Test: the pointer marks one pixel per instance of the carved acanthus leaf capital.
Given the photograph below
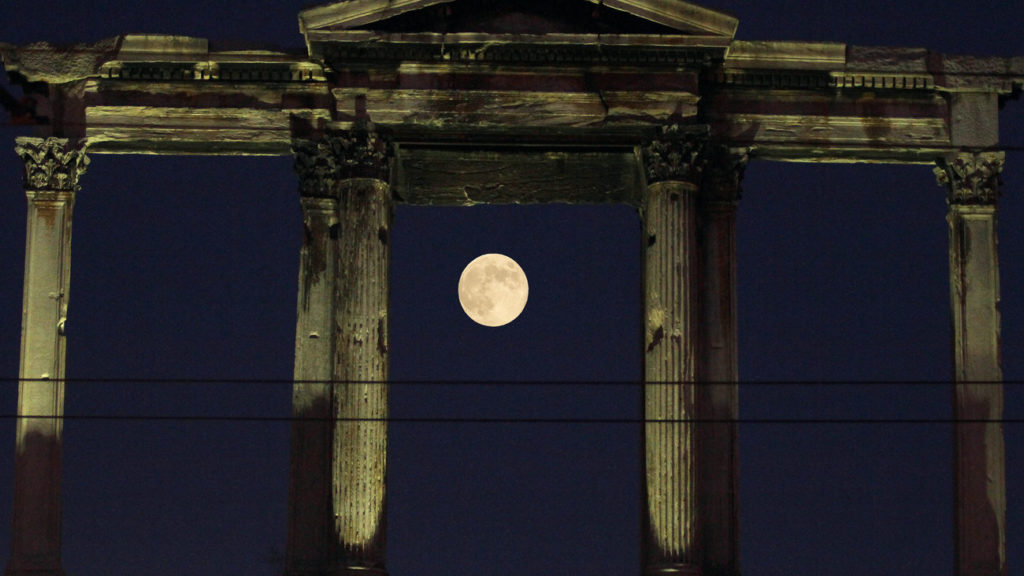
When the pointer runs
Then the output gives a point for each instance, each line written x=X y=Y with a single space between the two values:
x=338 y=156
x=723 y=173
x=316 y=166
x=972 y=178
x=51 y=164
x=675 y=155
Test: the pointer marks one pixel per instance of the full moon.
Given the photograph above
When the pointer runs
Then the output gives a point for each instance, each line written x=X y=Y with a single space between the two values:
x=493 y=290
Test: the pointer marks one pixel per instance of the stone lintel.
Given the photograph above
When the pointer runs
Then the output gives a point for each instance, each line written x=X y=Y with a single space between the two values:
x=846 y=154
x=834 y=136
x=130 y=122
x=462 y=108
x=823 y=123
x=458 y=176
x=209 y=131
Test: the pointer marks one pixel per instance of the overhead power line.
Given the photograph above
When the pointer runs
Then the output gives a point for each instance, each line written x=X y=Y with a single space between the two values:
x=511 y=383
x=499 y=420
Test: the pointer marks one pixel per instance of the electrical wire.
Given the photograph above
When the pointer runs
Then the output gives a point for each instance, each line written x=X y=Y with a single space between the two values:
x=500 y=420
x=512 y=383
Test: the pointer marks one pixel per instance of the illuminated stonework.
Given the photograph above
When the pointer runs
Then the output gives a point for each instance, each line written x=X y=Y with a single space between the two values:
x=972 y=178
x=52 y=169
x=675 y=155
x=389 y=104
x=51 y=164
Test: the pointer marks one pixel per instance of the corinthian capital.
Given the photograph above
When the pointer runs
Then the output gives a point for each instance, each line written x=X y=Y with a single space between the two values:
x=51 y=164
x=316 y=166
x=723 y=173
x=675 y=155
x=339 y=156
x=972 y=178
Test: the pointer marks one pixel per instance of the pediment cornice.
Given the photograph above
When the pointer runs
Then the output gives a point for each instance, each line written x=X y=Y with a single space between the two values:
x=678 y=15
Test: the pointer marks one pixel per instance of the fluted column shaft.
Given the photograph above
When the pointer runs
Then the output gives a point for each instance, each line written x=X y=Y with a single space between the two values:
x=52 y=169
x=309 y=494
x=718 y=372
x=972 y=180
x=670 y=513
x=361 y=371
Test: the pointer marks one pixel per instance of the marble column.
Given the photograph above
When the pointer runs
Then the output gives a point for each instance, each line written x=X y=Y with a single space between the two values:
x=310 y=521
x=361 y=368
x=718 y=369
x=670 y=528
x=339 y=438
x=53 y=167
x=972 y=180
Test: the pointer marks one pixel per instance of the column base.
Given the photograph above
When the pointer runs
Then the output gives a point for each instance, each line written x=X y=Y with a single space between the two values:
x=672 y=570
x=348 y=571
x=358 y=571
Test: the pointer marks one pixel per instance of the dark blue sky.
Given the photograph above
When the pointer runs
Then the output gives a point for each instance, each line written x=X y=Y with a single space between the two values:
x=186 y=267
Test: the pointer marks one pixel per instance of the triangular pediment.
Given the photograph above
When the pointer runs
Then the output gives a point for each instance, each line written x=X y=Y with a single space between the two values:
x=521 y=17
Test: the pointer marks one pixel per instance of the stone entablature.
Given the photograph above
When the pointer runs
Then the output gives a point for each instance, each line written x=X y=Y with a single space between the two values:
x=146 y=57
x=787 y=100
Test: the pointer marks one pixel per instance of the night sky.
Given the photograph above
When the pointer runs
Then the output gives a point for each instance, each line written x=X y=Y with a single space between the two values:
x=186 y=268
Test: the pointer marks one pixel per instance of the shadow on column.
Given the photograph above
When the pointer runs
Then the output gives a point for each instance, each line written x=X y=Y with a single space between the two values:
x=36 y=514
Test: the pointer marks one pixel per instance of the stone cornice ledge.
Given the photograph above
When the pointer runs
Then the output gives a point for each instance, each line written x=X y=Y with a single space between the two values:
x=677 y=14
x=773 y=63
x=45 y=62
x=357 y=12
x=770 y=55
x=950 y=72
x=164 y=57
